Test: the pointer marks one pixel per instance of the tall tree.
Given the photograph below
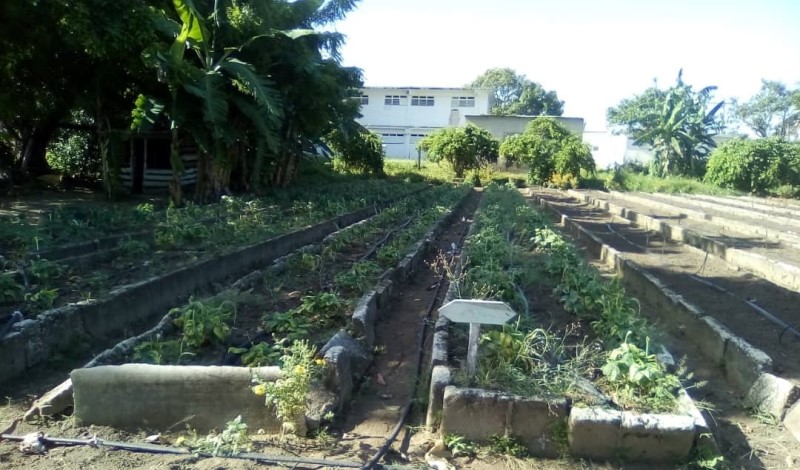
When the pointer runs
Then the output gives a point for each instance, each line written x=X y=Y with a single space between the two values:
x=773 y=111
x=513 y=93
x=678 y=123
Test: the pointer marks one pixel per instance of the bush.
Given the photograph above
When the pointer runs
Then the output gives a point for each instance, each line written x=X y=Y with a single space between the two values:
x=553 y=154
x=757 y=166
x=464 y=148
x=359 y=150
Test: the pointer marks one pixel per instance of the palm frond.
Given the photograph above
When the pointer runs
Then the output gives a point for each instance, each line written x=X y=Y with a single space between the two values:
x=259 y=87
x=208 y=87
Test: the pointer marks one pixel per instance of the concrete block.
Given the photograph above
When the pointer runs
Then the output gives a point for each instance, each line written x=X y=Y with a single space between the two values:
x=744 y=364
x=594 y=432
x=772 y=395
x=384 y=292
x=440 y=379
x=358 y=357
x=12 y=350
x=656 y=437
x=135 y=396
x=540 y=424
x=715 y=337
x=792 y=420
x=364 y=317
x=475 y=414
x=440 y=338
x=339 y=376
x=53 y=402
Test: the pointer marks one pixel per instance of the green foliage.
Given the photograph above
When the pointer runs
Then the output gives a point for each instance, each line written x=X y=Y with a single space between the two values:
x=755 y=166
x=507 y=445
x=259 y=355
x=677 y=123
x=43 y=271
x=10 y=289
x=287 y=395
x=460 y=446
x=360 y=150
x=463 y=148
x=515 y=94
x=231 y=441
x=774 y=111
x=43 y=298
x=552 y=153
x=75 y=153
x=204 y=321
x=159 y=351
x=133 y=248
x=639 y=379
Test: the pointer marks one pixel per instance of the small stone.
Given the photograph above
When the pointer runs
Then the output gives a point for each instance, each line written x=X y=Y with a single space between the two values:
x=379 y=379
x=385 y=396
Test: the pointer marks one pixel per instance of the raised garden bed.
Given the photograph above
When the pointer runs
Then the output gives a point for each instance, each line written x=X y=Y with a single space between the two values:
x=403 y=238
x=576 y=373
x=35 y=340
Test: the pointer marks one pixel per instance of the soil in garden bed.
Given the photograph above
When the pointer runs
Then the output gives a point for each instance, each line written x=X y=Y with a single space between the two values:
x=675 y=263
x=746 y=440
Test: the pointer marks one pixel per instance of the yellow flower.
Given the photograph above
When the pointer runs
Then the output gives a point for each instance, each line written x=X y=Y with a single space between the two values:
x=259 y=389
x=319 y=362
x=299 y=370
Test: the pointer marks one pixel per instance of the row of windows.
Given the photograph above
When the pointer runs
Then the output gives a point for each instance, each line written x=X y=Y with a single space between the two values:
x=400 y=100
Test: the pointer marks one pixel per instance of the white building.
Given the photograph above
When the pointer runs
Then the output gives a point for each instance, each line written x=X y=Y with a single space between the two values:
x=404 y=115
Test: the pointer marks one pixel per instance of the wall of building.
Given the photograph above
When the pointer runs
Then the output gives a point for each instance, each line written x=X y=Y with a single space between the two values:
x=502 y=126
x=403 y=116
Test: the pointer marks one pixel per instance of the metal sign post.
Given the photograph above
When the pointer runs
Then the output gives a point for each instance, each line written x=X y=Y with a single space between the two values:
x=476 y=313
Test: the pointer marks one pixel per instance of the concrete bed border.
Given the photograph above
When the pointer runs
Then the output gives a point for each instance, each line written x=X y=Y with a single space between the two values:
x=749 y=369
x=553 y=427
x=347 y=355
x=33 y=341
x=779 y=273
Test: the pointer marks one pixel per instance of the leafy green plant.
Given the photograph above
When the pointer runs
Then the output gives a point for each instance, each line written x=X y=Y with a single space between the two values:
x=43 y=298
x=159 y=351
x=261 y=354
x=463 y=148
x=232 y=440
x=132 y=248
x=359 y=277
x=639 y=379
x=204 y=321
x=290 y=324
x=44 y=271
x=507 y=445
x=287 y=395
x=756 y=166
x=10 y=289
x=460 y=446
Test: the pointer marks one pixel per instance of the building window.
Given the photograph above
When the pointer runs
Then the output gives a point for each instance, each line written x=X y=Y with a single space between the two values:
x=395 y=100
x=363 y=100
x=422 y=101
x=463 y=102
x=418 y=135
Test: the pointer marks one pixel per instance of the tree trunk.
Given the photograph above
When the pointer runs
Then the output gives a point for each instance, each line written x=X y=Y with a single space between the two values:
x=34 y=149
x=175 y=190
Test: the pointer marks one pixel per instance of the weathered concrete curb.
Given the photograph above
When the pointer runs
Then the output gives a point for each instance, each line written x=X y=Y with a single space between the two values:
x=133 y=396
x=743 y=364
x=35 y=340
x=778 y=272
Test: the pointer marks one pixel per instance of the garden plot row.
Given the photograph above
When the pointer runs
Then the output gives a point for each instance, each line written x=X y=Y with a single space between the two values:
x=770 y=256
x=32 y=341
x=716 y=306
x=322 y=298
x=180 y=236
x=576 y=372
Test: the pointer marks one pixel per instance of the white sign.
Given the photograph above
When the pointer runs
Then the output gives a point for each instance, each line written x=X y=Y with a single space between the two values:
x=487 y=312
x=476 y=312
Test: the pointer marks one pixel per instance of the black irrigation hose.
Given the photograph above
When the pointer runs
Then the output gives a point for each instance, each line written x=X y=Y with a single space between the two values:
x=772 y=318
x=417 y=365
x=159 y=449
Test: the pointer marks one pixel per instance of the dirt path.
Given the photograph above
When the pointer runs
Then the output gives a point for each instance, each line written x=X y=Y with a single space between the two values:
x=746 y=441
x=377 y=407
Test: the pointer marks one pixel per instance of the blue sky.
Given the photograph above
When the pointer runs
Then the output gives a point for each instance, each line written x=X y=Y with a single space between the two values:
x=593 y=53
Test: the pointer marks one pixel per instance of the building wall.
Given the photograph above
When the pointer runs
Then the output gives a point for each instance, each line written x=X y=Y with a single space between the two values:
x=502 y=126
x=416 y=112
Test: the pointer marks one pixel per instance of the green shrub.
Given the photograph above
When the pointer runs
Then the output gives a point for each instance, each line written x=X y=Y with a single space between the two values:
x=464 y=148
x=553 y=154
x=360 y=151
x=756 y=166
